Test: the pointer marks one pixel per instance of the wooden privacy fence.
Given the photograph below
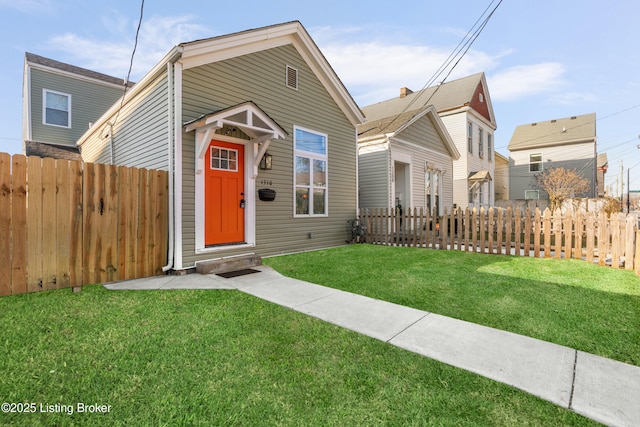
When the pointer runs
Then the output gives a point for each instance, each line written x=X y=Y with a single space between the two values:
x=607 y=240
x=66 y=223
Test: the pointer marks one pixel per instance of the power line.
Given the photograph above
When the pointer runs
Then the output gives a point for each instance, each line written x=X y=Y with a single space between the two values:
x=576 y=127
x=465 y=44
x=135 y=47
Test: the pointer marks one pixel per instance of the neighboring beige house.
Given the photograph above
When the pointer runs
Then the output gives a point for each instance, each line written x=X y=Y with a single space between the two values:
x=568 y=143
x=406 y=161
x=501 y=178
x=464 y=106
x=603 y=165
x=60 y=101
x=258 y=134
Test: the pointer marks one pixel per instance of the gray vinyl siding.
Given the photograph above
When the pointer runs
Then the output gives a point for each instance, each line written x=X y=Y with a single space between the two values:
x=260 y=77
x=373 y=173
x=89 y=100
x=578 y=157
x=436 y=161
x=423 y=132
x=140 y=133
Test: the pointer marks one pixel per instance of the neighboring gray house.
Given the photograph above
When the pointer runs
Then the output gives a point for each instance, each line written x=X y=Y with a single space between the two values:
x=60 y=101
x=406 y=161
x=258 y=135
x=568 y=143
x=464 y=106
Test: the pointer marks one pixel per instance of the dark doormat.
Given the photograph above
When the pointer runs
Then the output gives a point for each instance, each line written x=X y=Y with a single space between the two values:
x=237 y=273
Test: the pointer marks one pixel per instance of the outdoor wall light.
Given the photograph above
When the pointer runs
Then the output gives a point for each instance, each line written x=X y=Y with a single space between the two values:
x=265 y=163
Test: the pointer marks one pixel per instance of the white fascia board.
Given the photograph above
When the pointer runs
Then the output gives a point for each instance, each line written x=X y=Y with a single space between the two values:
x=159 y=68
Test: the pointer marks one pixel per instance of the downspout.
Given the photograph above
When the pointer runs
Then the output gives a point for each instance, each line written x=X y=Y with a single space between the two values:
x=171 y=124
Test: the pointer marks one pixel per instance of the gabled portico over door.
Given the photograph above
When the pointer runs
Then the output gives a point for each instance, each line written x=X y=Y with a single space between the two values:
x=229 y=146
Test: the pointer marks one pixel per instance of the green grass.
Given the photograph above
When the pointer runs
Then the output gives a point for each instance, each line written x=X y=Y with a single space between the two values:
x=568 y=302
x=207 y=358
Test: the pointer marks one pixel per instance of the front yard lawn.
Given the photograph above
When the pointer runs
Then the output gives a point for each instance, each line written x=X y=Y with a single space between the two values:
x=214 y=358
x=567 y=302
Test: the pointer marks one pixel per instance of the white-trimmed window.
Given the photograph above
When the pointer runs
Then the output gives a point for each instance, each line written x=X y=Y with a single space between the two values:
x=470 y=137
x=535 y=162
x=427 y=185
x=224 y=159
x=480 y=143
x=481 y=193
x=433 y=184
x=490 y=146
x=532 y=195
x=310 y=173
x=56 y=108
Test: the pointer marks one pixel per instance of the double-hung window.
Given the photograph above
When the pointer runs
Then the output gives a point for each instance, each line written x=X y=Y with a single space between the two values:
x=56 y=109
x=535 y=162
x=480 y=143
x=490 y=146
x=470 y=137
x=310 y=173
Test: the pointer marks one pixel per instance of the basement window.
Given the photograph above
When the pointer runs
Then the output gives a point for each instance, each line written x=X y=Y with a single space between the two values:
x=292 y=77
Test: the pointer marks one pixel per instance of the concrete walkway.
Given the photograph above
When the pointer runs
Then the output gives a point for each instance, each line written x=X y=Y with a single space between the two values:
x=598 y=388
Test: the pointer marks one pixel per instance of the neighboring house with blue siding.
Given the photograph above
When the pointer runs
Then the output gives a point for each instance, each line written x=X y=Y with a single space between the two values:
x=568 y=143
x=60 y=101
x=406 y=161
x=258 y=134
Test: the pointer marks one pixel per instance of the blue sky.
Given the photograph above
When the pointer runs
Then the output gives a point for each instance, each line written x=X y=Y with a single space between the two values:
x=544 y=59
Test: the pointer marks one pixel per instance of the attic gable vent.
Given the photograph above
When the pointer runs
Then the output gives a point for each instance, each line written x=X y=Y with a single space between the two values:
x=292 y=77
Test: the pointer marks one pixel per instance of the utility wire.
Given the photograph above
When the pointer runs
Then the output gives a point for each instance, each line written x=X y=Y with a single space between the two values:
x=135 y=47
x=463 y=46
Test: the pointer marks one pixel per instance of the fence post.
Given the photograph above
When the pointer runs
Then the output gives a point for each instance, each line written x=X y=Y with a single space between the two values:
x=508 y=232
x=19 y=224
x=499 y=229
x=636 y=260
x=603 y=238
x=5 y=224
x=615 y=240
x=490 y=228
x=518 y=232
x=629 y=255
x=577 y=235
x=546 y=225
x=527 y=233
x=536 y=233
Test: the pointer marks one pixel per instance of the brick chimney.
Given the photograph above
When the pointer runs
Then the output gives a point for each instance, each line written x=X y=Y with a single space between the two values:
x=404 y=91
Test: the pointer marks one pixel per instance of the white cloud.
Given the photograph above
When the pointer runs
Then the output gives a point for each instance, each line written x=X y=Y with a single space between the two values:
x=526 y=80
x=374 y=71
x=157 y=36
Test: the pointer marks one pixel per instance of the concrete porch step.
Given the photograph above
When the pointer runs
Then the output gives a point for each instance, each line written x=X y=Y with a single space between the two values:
x=227 y=264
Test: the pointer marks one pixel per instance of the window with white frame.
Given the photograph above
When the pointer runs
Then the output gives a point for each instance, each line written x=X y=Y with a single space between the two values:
x=481 y=193
x=56 y=108
x=437 y=190
x=480 y=143
x=427 y=184
x=310 y=166
x=535 y=162
x=470 y=137
x=433 y=185
x=490 y=146
x=532 y=194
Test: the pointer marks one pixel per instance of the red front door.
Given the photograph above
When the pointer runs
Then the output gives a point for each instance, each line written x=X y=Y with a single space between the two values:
x=224 y=194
